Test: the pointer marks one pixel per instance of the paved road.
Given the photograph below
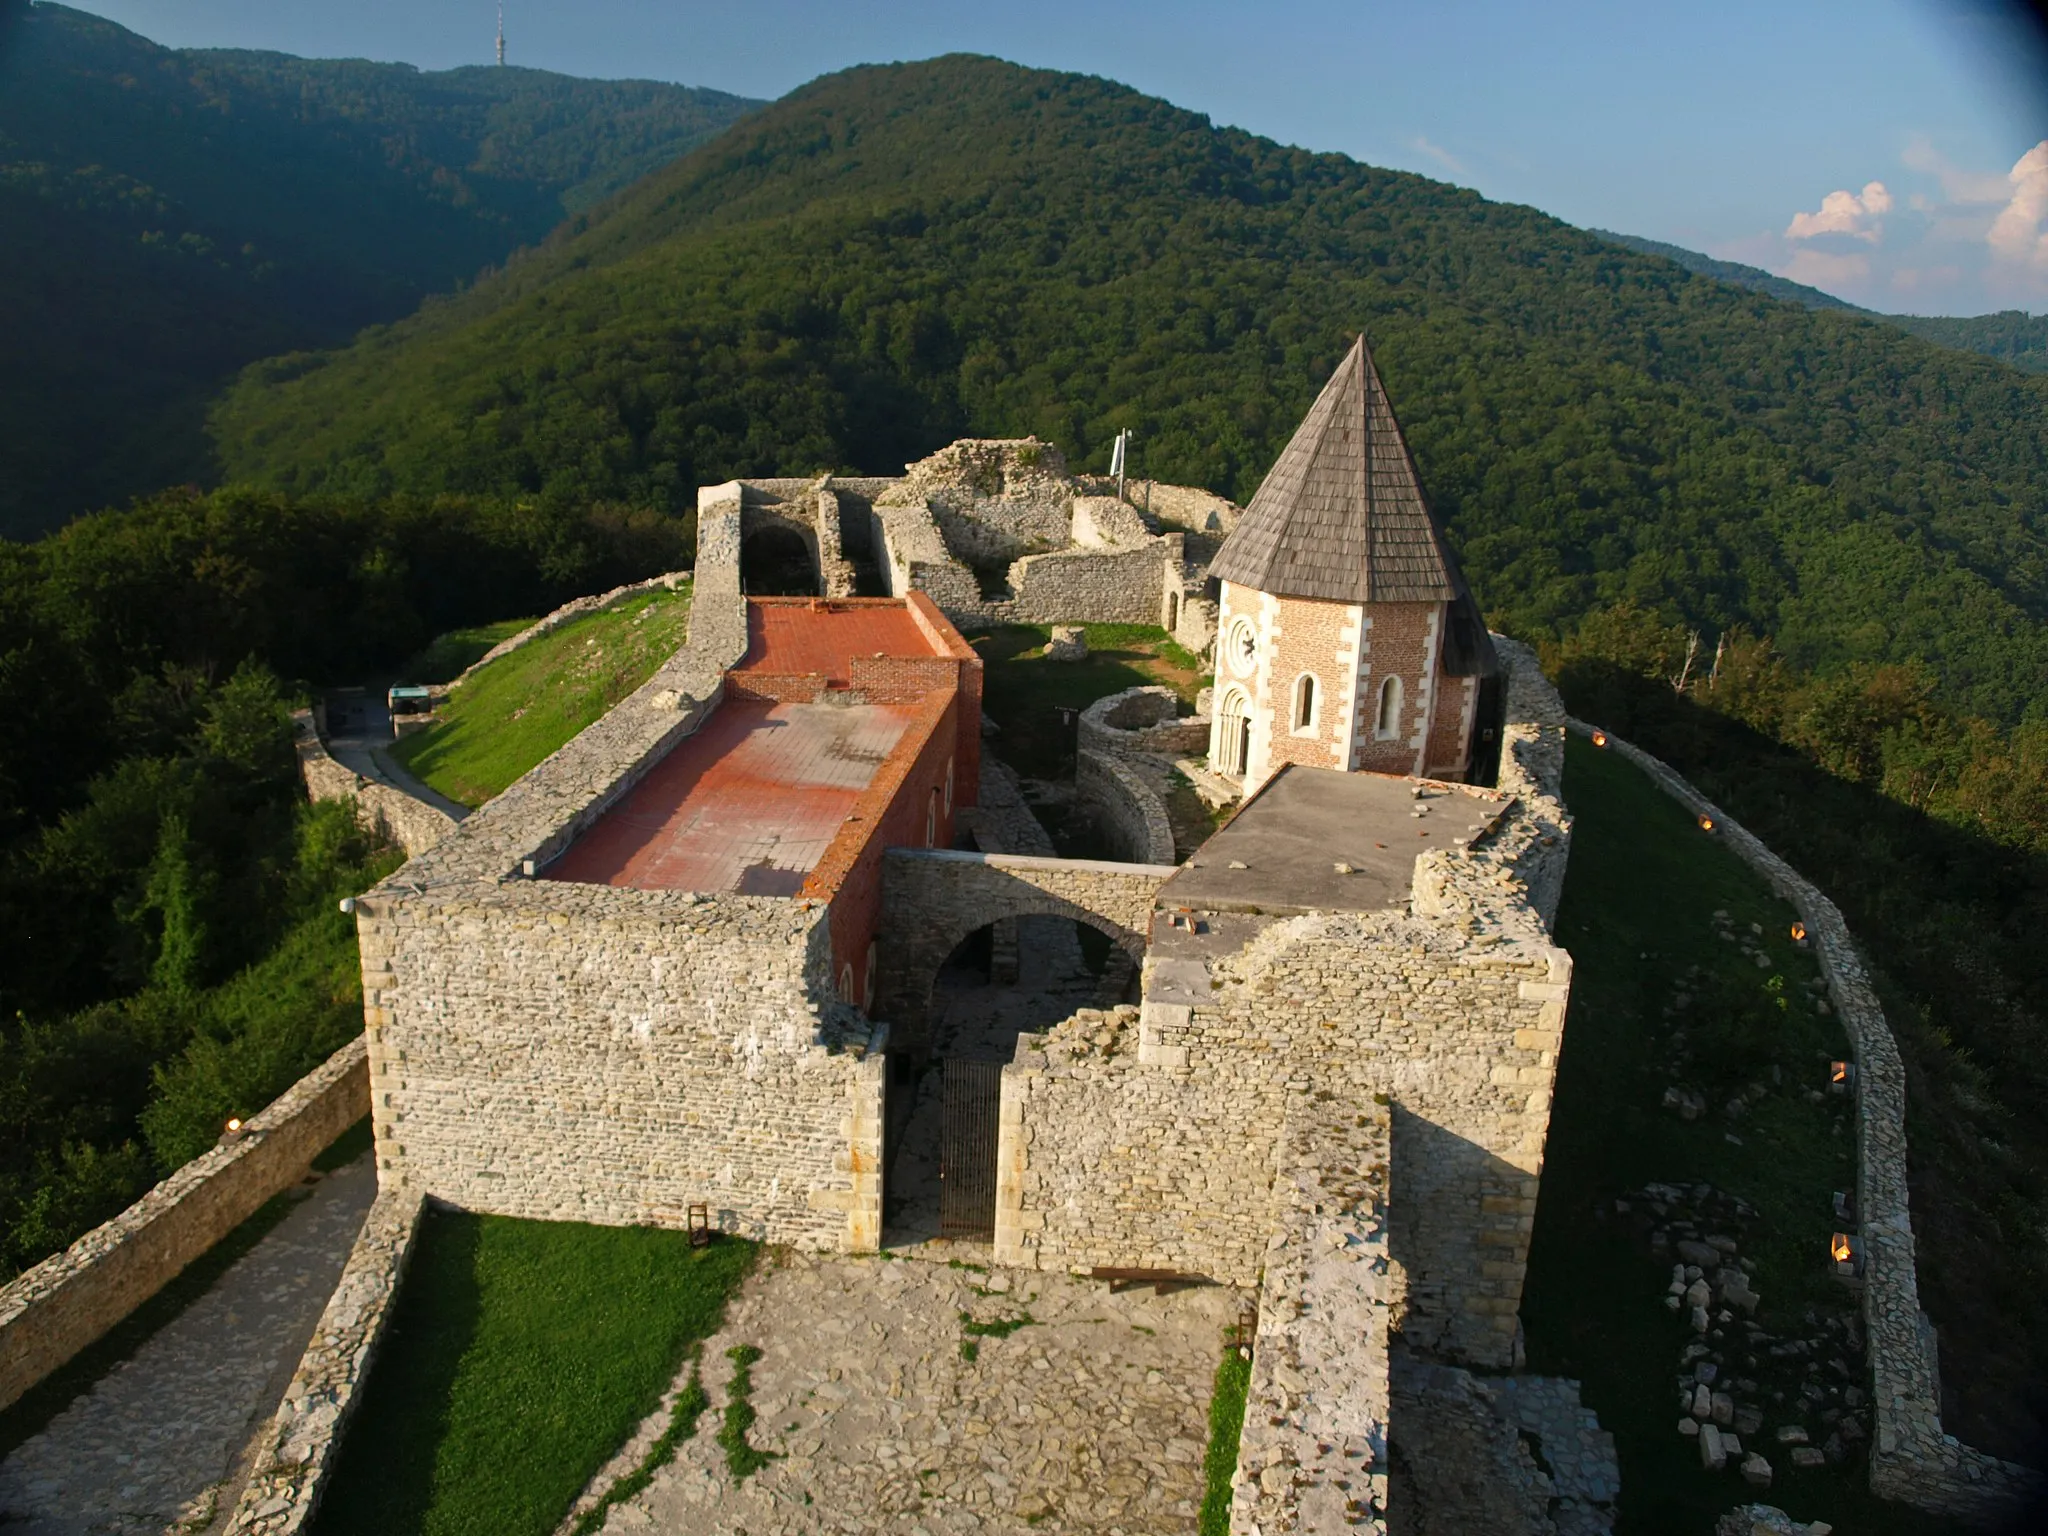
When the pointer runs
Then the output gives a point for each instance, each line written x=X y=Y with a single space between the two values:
x=156 y=1445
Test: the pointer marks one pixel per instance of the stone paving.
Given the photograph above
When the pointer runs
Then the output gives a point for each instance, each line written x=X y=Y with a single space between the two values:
x=1092 y=1418
x=157 y=1444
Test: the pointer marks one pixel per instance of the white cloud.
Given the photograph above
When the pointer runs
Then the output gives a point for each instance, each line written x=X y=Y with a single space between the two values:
x=1825 y=270
x=1438 y=153
x=1845 y=213
x=1957 y=184
x=2016 y=234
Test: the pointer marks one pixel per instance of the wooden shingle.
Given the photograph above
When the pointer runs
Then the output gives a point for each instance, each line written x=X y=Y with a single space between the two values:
x=1341 y=515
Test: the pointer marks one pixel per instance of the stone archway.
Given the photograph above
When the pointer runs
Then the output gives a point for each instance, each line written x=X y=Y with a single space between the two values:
x=778 y=560
x=932 y=901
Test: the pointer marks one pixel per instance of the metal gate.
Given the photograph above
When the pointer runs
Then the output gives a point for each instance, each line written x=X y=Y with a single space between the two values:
x=967 y=1148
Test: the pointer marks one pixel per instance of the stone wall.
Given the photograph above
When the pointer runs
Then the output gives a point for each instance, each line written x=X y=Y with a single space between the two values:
x=1093 y=586
x=66 y=1302
x=295 y=1451
x=1145 y=719
x=391 y=813
x=1160 y=1150
x=1911 y=1459
x=1130 y=810
x=1312 y=1455
x=931 y=901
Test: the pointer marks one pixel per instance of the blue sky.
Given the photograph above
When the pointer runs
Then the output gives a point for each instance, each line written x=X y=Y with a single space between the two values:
x=1885 y=150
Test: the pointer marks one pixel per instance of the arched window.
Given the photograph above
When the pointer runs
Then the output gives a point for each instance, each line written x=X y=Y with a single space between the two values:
x=1233 y=734
x=846 y=982
x=1172 y=612
x=931 y=821
x=1387 y=724
x=867 y=999
x=1305 y=703
x=949 y=785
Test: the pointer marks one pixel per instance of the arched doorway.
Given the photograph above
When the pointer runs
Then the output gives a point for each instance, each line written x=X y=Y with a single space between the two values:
x=1010 y=977
x=777 y=562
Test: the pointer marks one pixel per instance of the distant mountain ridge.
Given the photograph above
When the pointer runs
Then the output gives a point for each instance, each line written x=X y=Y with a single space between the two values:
x=895 y=256
x=2011 y=335
x=167 y=215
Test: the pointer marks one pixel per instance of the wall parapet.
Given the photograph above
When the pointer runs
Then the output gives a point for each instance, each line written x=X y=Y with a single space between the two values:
x=72 y=1298
x=1312 y=1454
x=1911 y=1459
x=297 y=1449
x=412 y=824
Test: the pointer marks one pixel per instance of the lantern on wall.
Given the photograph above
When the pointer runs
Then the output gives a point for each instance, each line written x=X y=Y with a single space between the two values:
x=1706 y=822
x=1599 y=738
x=1799 y=933
x=1841 y=1076
x=234 y=1127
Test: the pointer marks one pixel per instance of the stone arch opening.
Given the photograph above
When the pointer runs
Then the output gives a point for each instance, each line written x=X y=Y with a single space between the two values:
x=1233 y=732
x=778 y=562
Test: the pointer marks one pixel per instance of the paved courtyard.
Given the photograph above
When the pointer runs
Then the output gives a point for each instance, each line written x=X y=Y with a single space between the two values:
x=156 y=1445
x=1091 y=1418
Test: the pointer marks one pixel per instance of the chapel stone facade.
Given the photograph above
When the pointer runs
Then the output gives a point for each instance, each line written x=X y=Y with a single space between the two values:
x=1346 y=635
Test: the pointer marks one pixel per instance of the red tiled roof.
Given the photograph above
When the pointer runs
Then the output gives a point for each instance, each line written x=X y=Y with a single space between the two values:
x=800 y=636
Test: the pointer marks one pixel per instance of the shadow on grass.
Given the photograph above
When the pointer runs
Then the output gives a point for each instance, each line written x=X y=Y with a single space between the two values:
x=1950 y=923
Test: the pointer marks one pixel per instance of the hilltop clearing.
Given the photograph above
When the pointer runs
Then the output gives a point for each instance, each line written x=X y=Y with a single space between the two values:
x=167 y=215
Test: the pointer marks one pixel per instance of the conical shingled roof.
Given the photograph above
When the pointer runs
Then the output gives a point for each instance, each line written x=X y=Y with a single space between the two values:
x=1340 y=516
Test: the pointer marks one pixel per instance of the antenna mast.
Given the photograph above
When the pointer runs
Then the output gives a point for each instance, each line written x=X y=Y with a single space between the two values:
x=501 y=34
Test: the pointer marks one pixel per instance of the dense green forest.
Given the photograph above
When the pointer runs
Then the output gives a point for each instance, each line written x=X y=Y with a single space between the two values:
x=2011 y=335
x=894 y=256
x=169 y=215
x=173 y=955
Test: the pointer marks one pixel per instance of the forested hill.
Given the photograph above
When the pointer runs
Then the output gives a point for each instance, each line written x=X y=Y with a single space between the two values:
x=167 y=216
x=893 y=256
x=2011 y=335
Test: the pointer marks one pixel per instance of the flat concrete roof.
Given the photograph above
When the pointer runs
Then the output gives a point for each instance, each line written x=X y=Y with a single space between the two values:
x=1289 y=838
x=822 y=637
x=747 y=805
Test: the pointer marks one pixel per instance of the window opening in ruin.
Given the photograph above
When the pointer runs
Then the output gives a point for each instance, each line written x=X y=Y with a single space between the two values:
x=867 y=997
x=1387 y=724
x=777 y=562
x=846 y=982
x=1172 y=612
x=949 y=786
x=1305 y=702
x=1234 y=734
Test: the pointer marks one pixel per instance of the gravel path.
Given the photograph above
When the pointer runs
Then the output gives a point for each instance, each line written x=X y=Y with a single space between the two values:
x=157 y=1443
x=1093 y=1418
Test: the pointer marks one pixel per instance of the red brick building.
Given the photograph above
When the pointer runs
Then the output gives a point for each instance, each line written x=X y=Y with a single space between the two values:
x=852 y=726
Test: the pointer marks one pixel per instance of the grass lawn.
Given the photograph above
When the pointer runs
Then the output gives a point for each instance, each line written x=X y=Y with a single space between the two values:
x=1023 y=692
x=448 y=656
x=520 y=708
x=522 y=1355
x=1638 y=918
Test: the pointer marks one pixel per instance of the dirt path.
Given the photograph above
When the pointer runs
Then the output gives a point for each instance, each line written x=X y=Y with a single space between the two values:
x=156 y=1444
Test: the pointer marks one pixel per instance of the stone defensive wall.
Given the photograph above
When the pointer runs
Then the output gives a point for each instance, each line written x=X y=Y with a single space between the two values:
x=595 y=1053
x=1162 y=1151
x=295 y=1451
x=391 y=813
x=1312 y=1455
x=1911 y=1459
x=69 y=1300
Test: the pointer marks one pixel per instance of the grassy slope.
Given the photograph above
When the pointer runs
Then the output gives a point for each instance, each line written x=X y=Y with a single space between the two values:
x=448 y=656
x=522 y=707
x=1637 y=913
x=522 y=1354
